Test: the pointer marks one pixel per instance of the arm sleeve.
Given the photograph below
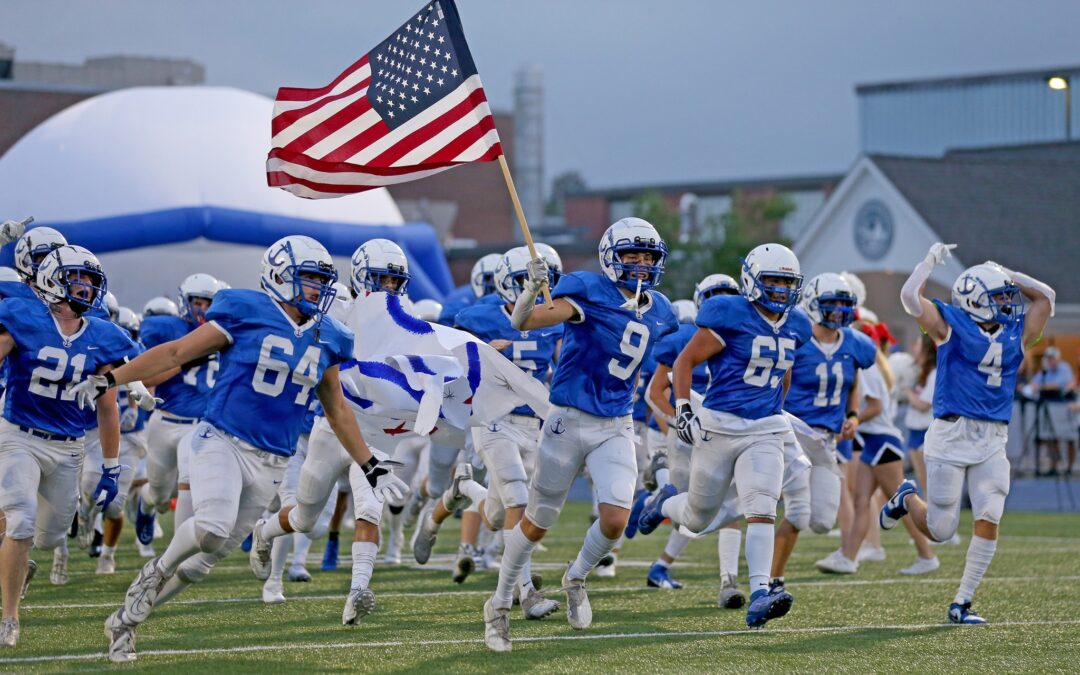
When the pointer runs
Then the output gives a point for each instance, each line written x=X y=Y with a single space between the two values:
x=909 y=294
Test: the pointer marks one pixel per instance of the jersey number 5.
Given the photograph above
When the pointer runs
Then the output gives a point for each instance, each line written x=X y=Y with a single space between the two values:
x=635 y=350
x=44 y=380
x=766 y=354
x=304 y=374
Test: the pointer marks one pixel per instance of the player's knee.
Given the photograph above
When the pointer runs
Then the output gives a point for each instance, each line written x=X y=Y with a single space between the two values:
x=543 y=516
x=989 y=507
x=798 y=514
x=514 y=494
x=758 y=502
x=494 y=511
x=211 y=539
x=20 y=521
x=942 y=523
x=47 y=540
x=368 y=510
x=825 y=487
x=303 y=517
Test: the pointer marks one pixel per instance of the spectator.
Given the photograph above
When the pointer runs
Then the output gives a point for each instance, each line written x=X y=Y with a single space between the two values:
x=1054 y=385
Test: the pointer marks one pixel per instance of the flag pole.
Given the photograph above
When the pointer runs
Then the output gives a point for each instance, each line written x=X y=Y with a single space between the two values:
x=524 y=225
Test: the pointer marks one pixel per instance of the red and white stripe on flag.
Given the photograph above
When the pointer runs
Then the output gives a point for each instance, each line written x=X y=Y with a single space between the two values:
x=411 y=107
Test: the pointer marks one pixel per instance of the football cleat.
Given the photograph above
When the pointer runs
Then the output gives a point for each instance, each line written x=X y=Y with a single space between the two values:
x=145 y=550
x=536 y=606
x=496 y=628
x=121 y=638
x=638 y=506
x=766 y=606
x=465 y=564
x=84 y=519
x=660 y=577
x=776 y=585
x=605 y=569
x=454 y=499
x=329 y=556
x=9 y=632
x=895 y=509
x=962 y=613
x=106 y=564
x=143 y=591
x=245 y=545
x=144 y=524
x=259 y=556
x=359 y=604
x=922 y=566
x=273 y=592
x=297 y=572
x=413 y=508
x=837 y=563
x=58 y=575
x=870 y=553
x=578 y=609
x=424 y=538
x=94 y=550
x=731 y=596
x=31 y=570
x=652 y=515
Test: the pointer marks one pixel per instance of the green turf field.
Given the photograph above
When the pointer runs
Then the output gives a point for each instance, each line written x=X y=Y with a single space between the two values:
x=873 y=621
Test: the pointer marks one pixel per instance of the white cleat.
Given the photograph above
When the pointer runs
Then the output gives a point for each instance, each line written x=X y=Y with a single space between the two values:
x=496 y=628
x=870 y=553
x=359 y=604
x=424 y=538
x=121 y=638
x=106 y=564
x=273 y=592
x=578 y=609
x=606 y=571
x=922 y=566
x=58 y=575
x=836 y=563
x=142 y=593
x=454 y=498
x=259 y=556
x=31 y=570
x=145 y=550
x=297 y=572
x=392 y=557
x=158 y=532
x=9 y=632
x=465 y=563
x=731 y=596
x=535 y=606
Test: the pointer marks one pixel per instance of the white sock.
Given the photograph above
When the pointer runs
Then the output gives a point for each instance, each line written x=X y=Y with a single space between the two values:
x=524 y=582
x=184 y=507
x=184 y=544
x=144 y=500
x=279 y=554
x=108 y=551
x=595 y=547
x=62 y=546
x=272 y=528
x=676 y=544
x=980 y=553
x=516 y=556
x=728 y=544
x=759 y=554
x=301 y=546
x=363 y=560
x=673 y=507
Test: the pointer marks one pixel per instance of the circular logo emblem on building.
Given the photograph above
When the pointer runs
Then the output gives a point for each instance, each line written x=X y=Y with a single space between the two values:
x=873 y=229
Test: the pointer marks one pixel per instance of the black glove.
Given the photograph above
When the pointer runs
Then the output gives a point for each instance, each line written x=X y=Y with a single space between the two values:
x=685 y=421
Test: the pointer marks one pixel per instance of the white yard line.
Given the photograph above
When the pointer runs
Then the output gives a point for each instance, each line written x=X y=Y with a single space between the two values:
x=547 y=638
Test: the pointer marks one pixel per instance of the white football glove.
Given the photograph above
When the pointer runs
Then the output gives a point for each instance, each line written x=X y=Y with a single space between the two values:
x=938 y=253
x=11 y=230
x=537 y=270
x=129 y=418
x=142 y=396
x=90 y=390
x=380 y=476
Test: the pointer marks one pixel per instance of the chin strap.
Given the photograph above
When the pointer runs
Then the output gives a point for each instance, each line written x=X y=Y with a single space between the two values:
x=633 y=303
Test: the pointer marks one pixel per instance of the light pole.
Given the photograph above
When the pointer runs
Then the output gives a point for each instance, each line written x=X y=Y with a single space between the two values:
x=1060 y=83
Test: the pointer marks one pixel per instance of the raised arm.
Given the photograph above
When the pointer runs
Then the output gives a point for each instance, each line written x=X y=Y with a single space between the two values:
x=524 y=316
x=911 y=295
x=1042 y=299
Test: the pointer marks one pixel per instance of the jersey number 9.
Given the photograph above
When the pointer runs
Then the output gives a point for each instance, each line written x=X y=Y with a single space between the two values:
x=628 y=347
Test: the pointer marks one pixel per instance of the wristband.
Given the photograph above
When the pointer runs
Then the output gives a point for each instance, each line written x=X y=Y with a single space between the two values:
x=110 y=380
x=110 y=462
x=853 y=414
x=370 y=465
x=681 y=402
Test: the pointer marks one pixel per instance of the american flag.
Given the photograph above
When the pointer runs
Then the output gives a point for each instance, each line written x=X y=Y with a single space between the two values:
x=411 y=107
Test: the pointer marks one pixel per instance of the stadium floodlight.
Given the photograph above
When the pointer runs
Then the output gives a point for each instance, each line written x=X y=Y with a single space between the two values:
x=1057 y=82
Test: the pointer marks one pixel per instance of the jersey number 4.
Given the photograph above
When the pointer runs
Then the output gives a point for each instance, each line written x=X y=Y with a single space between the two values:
x=767 y=354
x=629 y=347
x=44 y=380
x=271 y=374
x=991 y=365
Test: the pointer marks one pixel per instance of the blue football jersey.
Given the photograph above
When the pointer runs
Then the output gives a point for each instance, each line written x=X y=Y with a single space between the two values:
x=531 y=350
x=45 y=365
x=184 y=394
x=602 y=353
x=268 y=374
x=976 y=370
x=16 y=289
x=821 y=382
x=641 y=406
x=458 y=300
x=669 y=348
x=748 y=373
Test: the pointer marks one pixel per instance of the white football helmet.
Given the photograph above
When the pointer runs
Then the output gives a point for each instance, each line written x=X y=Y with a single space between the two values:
x=482 y=277
x=127 y=319
x=553 y=260
x=773 y=261
x=160 y=306
x=510 y=273
x=714 y=284
x=857 y=287
x=32 y=247
x=828 y=300
x=629 y=235
x=988 y=293
x=376 y=262
x=427 y=309
x=112 y=306
x=198 y=285
x=72 y=274
x=685 y=310
x=9 y=274
x=284 y=263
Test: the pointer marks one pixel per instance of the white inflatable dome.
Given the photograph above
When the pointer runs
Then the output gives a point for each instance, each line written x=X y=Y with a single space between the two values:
x=154 y=148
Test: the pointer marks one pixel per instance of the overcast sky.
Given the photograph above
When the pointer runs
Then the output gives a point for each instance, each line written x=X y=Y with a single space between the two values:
x=637 y=91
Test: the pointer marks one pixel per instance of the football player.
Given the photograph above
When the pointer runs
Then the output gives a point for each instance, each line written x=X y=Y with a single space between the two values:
x=981 y=338
x=739 y=432
x=611 y=321
x=49 y=346
x=276 y=349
